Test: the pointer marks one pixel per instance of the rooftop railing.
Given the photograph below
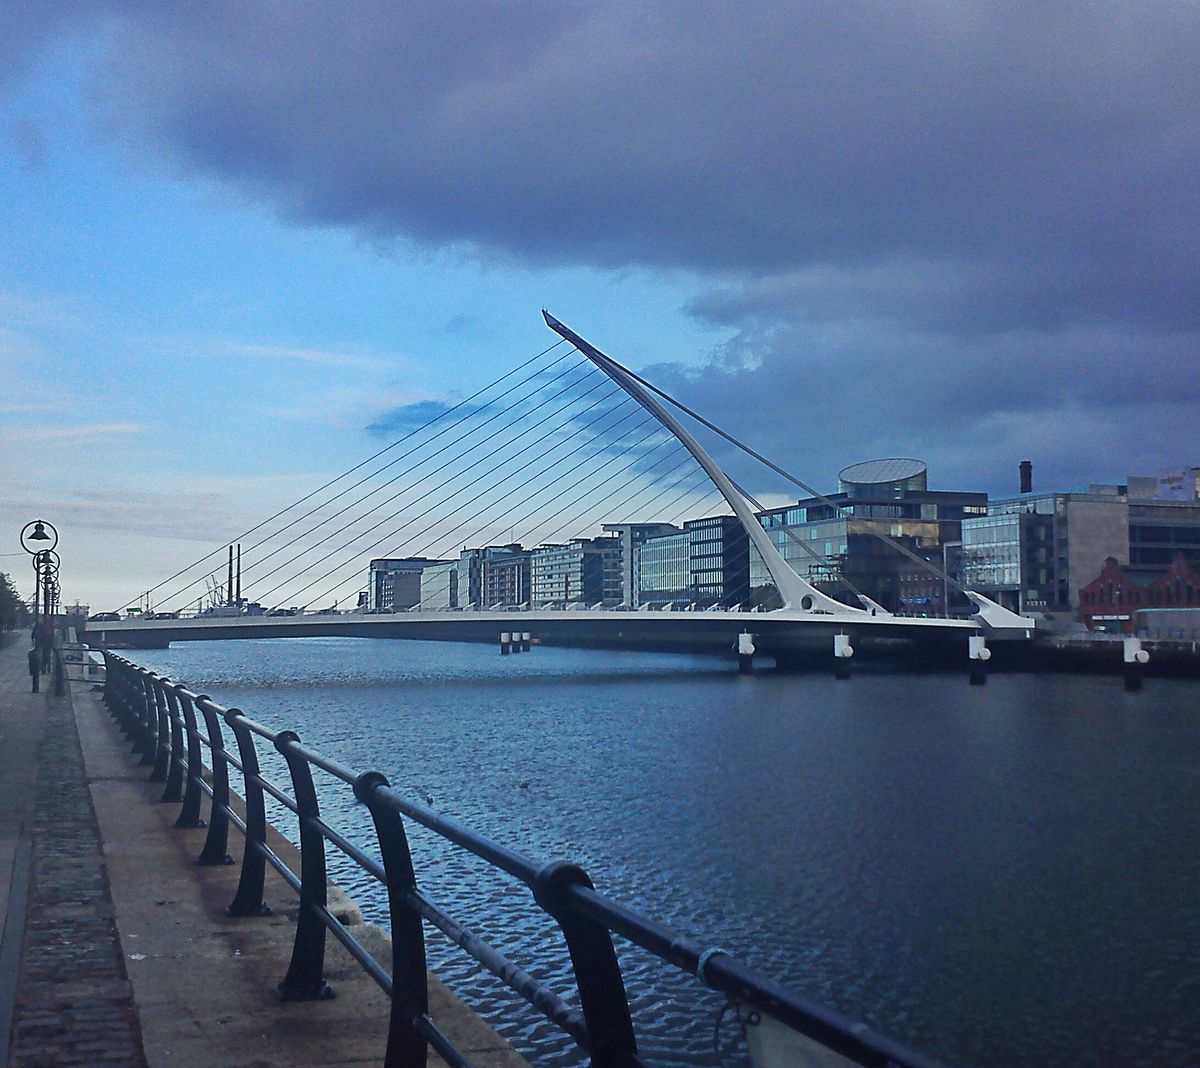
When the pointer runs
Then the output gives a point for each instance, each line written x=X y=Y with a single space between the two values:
x=180 y=736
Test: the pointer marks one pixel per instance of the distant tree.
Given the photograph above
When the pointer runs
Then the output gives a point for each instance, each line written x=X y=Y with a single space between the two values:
x=13 y=611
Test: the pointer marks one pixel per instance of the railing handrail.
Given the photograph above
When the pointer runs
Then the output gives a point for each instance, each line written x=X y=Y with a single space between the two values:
x=161 y=717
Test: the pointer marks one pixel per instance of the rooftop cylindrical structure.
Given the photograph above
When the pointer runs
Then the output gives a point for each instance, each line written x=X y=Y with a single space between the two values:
x=890 y=477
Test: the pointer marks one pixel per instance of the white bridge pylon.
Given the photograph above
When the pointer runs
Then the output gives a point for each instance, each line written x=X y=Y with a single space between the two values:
x=800 y=597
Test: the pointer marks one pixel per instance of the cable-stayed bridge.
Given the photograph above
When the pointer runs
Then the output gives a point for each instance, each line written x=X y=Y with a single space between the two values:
x=565 y=444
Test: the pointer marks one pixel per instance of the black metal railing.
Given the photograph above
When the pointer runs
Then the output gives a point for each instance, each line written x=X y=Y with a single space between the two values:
x=173 y=729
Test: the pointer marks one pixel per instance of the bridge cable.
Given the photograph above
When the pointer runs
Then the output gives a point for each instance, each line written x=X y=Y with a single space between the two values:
x=528 y=536
x=438 y=504
x=408 y=453
x=374 y=474
x=647 y=419
x=407 y=470
x=686 y=459
x=434 y=505
x=841 y=511
x=356 y=467
x=475 y=515
x=632 y=411
x=445 y=534
x=600 y=380
x=353 y=560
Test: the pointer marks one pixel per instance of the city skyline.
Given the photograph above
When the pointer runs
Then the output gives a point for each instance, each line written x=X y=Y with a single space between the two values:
x=239 y=247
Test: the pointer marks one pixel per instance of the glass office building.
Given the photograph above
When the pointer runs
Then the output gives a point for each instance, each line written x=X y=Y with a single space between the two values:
x=664 y=570
x=843 y=540
x=586 y=570
x=707 y=563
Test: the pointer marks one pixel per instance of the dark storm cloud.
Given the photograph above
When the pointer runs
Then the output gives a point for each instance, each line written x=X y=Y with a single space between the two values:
x=1049 y=149
x=25 y=28
x=934 y=219
x=1088 y=404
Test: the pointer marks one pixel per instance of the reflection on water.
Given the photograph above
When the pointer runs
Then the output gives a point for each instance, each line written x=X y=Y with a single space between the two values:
x=999 y=876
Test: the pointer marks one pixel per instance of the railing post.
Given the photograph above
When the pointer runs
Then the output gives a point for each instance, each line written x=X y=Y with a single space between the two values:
x=597 y=971
x=113 y=681
x=108 y=695
x=147 y=722
x=189 y=814
x=248 y=901
x=135 y=699
x=406 y=1045
x=162 y=729
x=173 y=791
x=305 y=979
x=216 y=845
x=118 y=682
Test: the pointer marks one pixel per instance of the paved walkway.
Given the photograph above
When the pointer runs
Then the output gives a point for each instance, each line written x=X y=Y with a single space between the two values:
x=126 y=955
x=65 y=998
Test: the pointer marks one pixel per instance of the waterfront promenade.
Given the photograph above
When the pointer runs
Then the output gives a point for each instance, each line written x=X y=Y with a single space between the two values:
x=116 y=946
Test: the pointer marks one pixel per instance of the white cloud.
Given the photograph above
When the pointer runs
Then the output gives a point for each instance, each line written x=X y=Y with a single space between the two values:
x=78 y=433
x=336 y=359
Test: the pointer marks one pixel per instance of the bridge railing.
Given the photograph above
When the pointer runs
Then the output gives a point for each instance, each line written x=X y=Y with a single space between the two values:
x=176 y=731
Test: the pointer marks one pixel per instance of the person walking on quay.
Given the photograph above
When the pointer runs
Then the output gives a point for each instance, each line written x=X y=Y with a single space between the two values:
x=34 y=668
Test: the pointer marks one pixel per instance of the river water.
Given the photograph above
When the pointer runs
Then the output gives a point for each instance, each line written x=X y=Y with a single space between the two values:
x=999 y=876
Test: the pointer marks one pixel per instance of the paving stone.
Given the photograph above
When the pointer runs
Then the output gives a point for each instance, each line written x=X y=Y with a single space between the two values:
x=74 y=1003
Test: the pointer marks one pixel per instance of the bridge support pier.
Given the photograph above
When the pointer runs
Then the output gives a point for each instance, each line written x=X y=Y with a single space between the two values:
x=1136 y=659
x=745 y=648
x=505 y=643
x=526 y=641
x=979 y=654
x=842 y=652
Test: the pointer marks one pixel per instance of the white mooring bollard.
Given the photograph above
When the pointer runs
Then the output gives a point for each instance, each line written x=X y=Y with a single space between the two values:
x=1136 y=658
x=979 y=654
x=842 y=652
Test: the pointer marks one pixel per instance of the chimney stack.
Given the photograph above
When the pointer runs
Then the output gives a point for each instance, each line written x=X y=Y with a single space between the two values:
x=1026 y=476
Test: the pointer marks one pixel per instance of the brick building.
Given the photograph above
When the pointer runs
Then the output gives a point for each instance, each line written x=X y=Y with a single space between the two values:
x=1110 y=600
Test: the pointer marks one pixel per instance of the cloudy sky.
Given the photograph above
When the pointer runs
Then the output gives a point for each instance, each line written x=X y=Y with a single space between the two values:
x=235 y=237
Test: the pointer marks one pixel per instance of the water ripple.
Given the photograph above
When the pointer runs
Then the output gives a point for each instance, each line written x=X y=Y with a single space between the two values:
x=999 y=876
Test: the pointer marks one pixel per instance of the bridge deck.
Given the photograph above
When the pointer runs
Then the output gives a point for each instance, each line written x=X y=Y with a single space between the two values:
x=706 y=632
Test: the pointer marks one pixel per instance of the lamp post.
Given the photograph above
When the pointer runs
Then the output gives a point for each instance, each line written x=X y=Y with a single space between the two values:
x=39 y=538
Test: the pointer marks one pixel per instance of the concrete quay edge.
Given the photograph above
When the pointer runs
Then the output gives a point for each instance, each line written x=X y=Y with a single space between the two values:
x=202 y=981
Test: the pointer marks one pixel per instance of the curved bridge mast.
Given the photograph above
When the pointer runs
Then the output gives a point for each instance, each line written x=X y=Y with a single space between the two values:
x=797 y=594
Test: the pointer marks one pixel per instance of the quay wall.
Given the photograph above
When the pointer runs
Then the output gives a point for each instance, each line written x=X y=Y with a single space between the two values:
x=204 y=982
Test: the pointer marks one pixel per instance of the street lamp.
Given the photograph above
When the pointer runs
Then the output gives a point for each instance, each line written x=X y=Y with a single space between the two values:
x=40 y=542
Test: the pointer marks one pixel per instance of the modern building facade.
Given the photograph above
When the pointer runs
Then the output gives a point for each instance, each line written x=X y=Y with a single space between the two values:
x=506 y=578
x=631 y=537
x=719 y=551
x=1037 y=552
x=493 y=575
x=706 y=563
x=663 y=571
x=394 y=585
x=846 y=536
x=439 y=586
x=583 y=570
